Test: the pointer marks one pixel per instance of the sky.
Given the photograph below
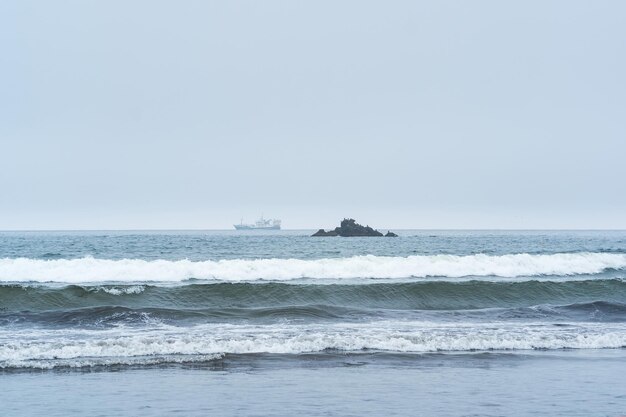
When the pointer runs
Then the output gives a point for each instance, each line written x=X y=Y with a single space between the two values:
x=402 y=114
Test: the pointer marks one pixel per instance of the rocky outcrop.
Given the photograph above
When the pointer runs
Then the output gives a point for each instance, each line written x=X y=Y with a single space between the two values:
x=391 y=234
x=322 y=232
x=349 y=228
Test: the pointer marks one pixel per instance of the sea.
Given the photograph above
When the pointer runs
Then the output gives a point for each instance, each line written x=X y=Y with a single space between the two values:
x=279 y=323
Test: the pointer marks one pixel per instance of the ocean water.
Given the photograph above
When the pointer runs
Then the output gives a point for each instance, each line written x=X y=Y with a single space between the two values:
x=477 y=323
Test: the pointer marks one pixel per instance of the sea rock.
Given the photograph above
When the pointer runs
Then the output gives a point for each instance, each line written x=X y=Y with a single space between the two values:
x=322 y=232
x=391 y=234
x=349 y=228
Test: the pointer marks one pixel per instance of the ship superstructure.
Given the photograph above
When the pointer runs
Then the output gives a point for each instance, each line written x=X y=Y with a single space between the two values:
x=261 y=224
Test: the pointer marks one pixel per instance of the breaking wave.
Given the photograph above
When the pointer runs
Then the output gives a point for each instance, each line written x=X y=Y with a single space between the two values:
x=38 y=348
x=90 y=269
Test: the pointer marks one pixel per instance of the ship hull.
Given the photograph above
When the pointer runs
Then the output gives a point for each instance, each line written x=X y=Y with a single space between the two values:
x=247 y=227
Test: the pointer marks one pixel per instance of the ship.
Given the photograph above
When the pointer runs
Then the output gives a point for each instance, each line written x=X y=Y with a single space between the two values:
x=261 y=224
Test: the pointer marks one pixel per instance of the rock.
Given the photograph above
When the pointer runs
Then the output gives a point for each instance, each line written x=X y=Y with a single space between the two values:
x=391 y=234
x=322 y=232
x=349 y=228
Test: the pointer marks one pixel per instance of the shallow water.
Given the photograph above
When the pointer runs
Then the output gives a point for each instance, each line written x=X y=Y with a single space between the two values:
x=477 y=384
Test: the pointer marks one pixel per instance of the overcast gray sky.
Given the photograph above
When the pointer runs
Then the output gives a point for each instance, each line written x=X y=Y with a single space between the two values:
x=405 y=114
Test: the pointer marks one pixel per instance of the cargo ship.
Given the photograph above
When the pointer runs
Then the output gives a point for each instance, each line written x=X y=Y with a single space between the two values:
x=261 y=224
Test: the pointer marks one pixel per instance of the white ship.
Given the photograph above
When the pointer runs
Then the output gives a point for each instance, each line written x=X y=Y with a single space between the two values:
x=261 y=224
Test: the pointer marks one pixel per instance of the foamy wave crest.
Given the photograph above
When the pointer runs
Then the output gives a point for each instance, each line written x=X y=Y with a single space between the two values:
x=108 y=362
x=453 y=266
x=134 y=289
x=79 y=348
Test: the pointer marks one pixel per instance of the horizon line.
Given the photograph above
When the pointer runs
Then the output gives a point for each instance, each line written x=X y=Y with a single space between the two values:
x=316 y=228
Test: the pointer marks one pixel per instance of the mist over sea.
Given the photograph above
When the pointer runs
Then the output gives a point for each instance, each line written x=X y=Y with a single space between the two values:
x=229 y=323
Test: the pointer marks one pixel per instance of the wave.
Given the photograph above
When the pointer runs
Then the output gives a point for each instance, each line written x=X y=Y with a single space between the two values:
x=115 y=316
x=111 y=316
x=36 y=348
x=85 y=270
x=420 y=295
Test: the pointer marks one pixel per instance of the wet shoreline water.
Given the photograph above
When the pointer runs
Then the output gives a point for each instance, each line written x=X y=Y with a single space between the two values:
x=564 y=383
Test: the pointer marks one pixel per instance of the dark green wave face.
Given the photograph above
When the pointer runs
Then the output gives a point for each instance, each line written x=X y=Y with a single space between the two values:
x=440 y=295
x=113 y=304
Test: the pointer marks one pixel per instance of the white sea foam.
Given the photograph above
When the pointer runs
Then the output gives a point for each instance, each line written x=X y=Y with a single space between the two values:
x=40 y=348
x=133 y=289
x=105 y=361
x=89 y=269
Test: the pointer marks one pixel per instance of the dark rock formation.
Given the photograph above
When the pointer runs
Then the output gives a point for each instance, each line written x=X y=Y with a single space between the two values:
x=348 y=228
x=321 y=232
x=391 y=234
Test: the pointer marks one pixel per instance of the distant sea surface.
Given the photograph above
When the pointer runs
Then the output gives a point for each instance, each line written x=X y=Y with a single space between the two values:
x=445 y=323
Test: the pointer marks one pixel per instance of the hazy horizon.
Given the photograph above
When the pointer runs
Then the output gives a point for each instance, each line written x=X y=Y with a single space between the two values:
x=153 y=115
x=306 y=229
